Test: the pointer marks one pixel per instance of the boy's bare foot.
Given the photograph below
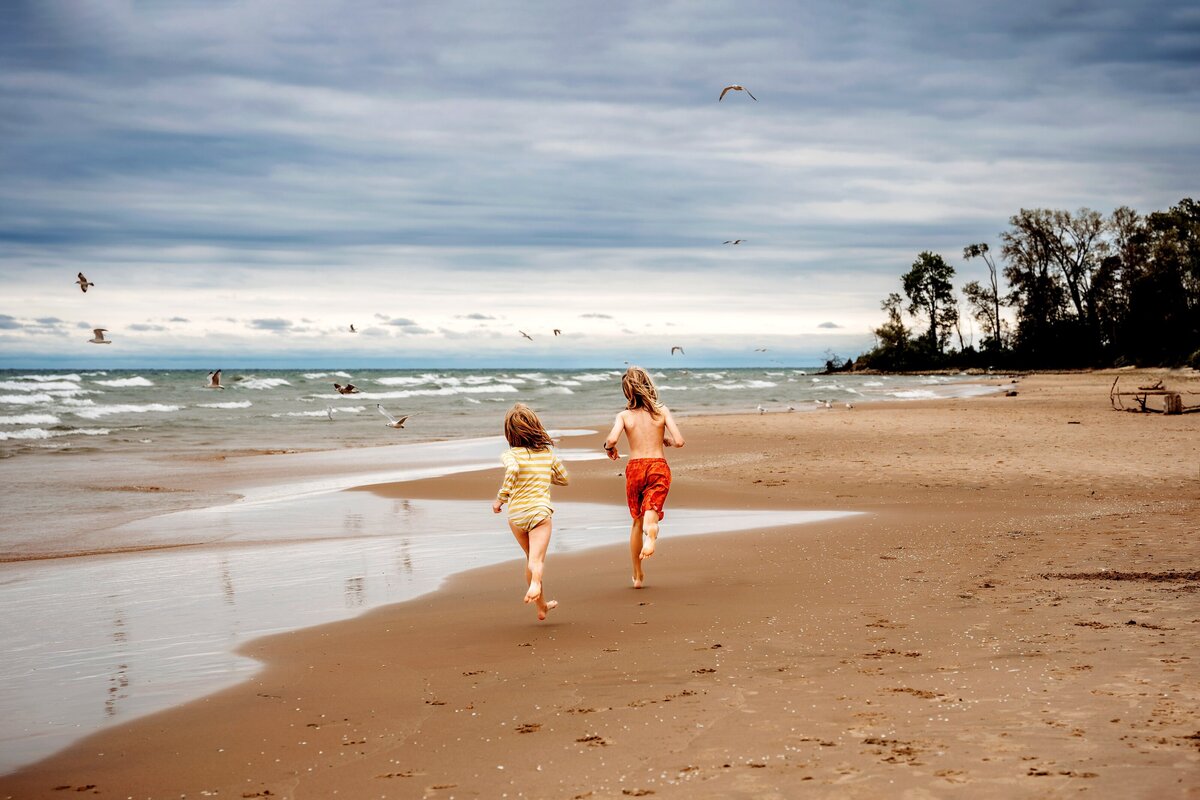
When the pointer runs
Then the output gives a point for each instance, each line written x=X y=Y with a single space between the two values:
x=648 y=543
x=546 y=607
x=534 y=593
x=650 y=534
x=637 y=581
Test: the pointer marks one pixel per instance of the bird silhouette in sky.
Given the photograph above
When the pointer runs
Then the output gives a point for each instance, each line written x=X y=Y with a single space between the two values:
x=735 y=87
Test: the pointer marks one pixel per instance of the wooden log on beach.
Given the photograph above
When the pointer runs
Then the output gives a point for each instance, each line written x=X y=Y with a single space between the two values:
x=1172 y=403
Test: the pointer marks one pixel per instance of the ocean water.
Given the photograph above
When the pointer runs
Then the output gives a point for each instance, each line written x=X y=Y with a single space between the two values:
x=64 y=412
x=124 y=599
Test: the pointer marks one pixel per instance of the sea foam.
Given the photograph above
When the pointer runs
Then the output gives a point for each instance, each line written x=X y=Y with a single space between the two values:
x=136 y=380
x=104 y=411
x=260 y=383
x=29 y=419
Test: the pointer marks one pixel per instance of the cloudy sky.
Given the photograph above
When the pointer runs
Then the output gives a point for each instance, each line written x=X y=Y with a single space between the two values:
x=243 y=180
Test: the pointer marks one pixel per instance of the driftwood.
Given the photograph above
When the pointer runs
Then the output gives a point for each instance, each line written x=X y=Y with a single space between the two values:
x=1172 y=399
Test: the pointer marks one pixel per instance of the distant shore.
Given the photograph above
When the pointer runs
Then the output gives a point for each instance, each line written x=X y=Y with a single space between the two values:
x=961 y=635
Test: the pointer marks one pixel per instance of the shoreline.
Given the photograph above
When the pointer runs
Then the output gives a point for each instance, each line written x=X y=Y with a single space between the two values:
x=845 y=634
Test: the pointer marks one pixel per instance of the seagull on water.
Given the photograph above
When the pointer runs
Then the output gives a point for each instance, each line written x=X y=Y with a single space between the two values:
x=98 y=335
x=680 y=349
x=735 y=87
x=84 y=283
x=392 y=422
x=214 y=380
x=526 y=335
x=349 y=388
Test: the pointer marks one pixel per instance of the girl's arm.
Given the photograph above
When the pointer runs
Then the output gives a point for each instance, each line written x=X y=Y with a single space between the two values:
x=558 y=473
x=672 y=429
x=511 y=471
x=610 y=443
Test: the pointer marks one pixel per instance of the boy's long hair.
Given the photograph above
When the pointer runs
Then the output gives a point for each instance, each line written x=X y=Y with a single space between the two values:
x=522 y=428
x=640 y=392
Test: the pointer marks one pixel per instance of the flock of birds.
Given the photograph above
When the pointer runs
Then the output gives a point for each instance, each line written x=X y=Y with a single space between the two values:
x=214 y=377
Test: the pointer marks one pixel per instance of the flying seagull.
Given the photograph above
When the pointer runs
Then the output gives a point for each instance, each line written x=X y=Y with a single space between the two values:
x=680 y=349
x=392 y=422
x=84 y=283
x=737 y=88
x=733 y=241
x=352 y=328
x=349 y=388
x=557 y=332
x=760 y=349
x=526 y=335
x=98 y=336
x=214 y=380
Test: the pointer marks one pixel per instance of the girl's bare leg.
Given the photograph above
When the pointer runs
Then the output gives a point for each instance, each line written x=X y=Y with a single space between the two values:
x=635 y=551
x=535 y=543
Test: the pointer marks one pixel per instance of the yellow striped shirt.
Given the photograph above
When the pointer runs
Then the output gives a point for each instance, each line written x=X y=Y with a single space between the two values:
x=527 y=478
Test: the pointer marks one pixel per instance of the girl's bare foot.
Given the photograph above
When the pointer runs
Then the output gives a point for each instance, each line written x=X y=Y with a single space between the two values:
x=546 y=607
x=534 y=593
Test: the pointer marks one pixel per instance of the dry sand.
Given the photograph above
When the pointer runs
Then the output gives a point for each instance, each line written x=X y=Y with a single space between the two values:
x=1017 y=616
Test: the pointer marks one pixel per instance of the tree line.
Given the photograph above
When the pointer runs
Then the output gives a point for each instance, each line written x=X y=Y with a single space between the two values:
x=1082 y=289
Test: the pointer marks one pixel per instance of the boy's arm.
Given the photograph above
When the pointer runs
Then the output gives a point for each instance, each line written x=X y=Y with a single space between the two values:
x=610 y=443
x=511 y=471
x=558 y=473
x=674 y=437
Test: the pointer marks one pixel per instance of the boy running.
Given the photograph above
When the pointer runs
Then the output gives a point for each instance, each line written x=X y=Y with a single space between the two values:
x=648 y=426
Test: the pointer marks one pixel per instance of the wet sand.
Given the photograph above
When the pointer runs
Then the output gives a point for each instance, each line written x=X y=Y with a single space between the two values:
x=1016 y=616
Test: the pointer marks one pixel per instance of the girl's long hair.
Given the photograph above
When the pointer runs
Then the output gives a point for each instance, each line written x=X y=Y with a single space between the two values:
x=640 y=391
x=522 y=428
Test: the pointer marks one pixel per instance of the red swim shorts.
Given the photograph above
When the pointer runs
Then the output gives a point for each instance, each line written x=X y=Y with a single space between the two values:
x=647 y=481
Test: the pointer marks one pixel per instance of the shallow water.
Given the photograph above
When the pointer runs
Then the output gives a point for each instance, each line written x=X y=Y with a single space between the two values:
x=99 y=640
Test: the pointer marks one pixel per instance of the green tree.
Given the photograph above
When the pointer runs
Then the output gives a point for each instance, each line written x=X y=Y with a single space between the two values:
x=893 y=348
x=1163 y=321
x=985 y=300
x=931 y=295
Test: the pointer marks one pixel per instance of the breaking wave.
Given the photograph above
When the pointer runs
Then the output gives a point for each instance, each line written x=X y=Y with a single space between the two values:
x=136 y=380
x=104 y=411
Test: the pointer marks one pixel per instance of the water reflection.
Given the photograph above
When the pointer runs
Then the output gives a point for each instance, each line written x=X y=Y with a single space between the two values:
x=173 y=617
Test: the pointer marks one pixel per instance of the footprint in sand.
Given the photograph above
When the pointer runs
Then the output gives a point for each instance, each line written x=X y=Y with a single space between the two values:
x=592 y=740
x=529 y=727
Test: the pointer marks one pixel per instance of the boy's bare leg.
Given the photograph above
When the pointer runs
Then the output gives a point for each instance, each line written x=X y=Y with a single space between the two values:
x=650 y=528
x=635 y=551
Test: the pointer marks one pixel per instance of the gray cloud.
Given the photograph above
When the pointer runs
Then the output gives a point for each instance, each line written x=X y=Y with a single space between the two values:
x=474 y=316
x=401 y=322
x=829 y=325
x=275 y=324
x=9 y=323
x=238 y=147
x=144 y=326
x=179 y=319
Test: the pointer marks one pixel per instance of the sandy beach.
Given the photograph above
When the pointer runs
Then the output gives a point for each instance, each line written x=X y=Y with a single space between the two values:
x=1015 y=615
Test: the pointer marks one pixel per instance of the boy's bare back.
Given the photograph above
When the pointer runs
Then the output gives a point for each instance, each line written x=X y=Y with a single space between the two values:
x=645 y=432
